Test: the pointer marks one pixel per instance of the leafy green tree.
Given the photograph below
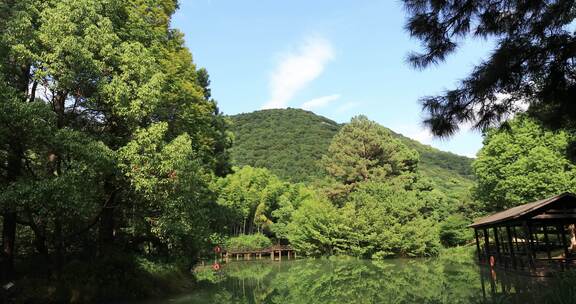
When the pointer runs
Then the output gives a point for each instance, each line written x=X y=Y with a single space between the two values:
x=317 y=228
x=522 y=164
x=16 y=34
x=390 y=220
x=247 y=242
x=532 y=65
x=172 y=186
x=287 y=204
x=253 y=199
x=387 y=209
x=363 y=150
x=91 y=92
x=454 y=231
x=249 y=195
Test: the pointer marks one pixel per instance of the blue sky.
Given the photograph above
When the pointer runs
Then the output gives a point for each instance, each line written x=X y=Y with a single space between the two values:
x=335 y=58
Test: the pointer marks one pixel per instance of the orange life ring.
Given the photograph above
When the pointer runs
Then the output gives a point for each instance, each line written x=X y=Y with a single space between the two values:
x=216 y=266
x=492 y=261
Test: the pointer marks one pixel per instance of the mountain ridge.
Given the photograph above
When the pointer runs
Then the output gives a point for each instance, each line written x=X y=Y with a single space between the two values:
x=289 y=142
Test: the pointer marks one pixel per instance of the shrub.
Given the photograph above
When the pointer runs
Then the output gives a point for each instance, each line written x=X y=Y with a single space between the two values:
x=248 y=242
x=454 y=231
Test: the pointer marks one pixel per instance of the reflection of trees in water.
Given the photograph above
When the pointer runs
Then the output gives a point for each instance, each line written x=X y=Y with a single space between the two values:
x=356 y=281
x=390 y=281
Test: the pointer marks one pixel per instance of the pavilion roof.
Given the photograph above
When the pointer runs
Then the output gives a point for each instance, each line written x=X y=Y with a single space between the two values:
x=518 y=211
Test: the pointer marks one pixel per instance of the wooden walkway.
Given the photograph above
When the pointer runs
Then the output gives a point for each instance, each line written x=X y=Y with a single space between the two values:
x=273 y=252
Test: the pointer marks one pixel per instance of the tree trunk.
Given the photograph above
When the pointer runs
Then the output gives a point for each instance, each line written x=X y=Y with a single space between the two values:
x=106 y=229
x=42 y=249
x=58 y=244
x=14 y=170
x=14 y=166
x=8 y=242
x=106 y=224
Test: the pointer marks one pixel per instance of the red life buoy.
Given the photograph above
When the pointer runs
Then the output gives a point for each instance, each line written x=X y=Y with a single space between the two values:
x=492 y=261
x=217 y=249
x=216 y=266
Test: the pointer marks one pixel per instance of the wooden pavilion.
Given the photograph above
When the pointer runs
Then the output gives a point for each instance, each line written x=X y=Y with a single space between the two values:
x=537 y=237
x=275 y=252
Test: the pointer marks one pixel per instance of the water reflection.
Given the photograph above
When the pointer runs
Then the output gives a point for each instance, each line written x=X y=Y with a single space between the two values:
x=507 y=287
x=360 y=281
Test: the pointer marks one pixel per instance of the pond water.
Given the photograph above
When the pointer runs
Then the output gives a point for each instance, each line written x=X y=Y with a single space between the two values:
x=352 y=281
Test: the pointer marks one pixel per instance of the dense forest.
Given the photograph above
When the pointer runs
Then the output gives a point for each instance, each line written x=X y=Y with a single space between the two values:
x=119 y=173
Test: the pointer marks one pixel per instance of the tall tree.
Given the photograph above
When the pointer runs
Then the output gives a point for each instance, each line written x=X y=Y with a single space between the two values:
x=533 y=65
x=249 y=196
x=86 y=86
x=363 y=150
x=521 y=165
x=19 y=119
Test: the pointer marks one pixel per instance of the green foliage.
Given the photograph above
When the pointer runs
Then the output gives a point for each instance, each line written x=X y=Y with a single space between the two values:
x=288 y=142
x=387 y=209
x=389 y=220
x=345 y=280
x=317 y=229
x=171 y=182
x=291 y=200
x=363 y=150
x=528 y=68
x=109 y=137
x=291 y=143
x=248 y=242
x=454 y=231
x=253 y=199
x=249 y=195
x=522 y=164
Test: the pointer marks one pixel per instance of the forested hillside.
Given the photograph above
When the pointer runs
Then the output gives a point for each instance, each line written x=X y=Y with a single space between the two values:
x=290 y=142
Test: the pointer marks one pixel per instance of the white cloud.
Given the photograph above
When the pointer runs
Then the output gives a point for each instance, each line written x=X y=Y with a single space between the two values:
x=423 y=135
x=320 y=102
x=415 y=132
x=297 y=69
x=346 y=107
x=461 y=143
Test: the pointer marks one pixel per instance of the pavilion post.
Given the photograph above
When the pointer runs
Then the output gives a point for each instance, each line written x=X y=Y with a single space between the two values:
x=478 y=245
x=548 y=253
x=511 y=246
x=496 y=239
x=482 y=283
x=486 y=244
x=515 y=239
x=564 y=243
x=529 y=249
x=536 y=241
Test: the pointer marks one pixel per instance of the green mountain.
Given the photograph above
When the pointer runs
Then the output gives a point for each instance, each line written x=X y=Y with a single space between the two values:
x=290 y=142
